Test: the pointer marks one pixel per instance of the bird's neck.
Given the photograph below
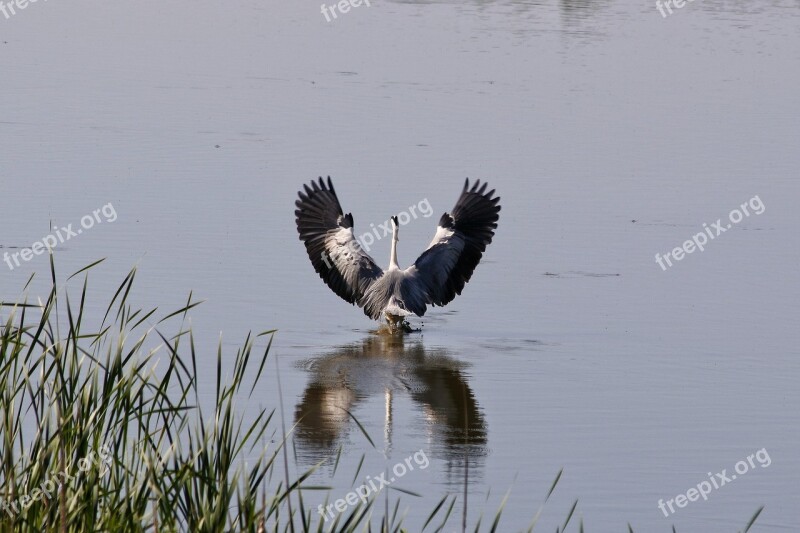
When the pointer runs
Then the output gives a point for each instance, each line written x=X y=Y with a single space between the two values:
x=393 y=257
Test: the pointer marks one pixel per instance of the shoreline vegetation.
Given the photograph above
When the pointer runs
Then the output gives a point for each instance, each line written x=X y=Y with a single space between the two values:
x=101 y=432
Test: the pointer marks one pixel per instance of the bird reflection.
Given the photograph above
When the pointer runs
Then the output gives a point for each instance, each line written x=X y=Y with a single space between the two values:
x=383 y=368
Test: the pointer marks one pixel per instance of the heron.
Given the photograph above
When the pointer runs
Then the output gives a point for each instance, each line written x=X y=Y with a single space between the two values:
x=435 y=278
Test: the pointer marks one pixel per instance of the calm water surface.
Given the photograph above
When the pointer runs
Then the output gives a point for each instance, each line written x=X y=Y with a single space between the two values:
x=611 y=133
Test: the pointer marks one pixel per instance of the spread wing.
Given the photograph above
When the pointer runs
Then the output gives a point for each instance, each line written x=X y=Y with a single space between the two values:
x=439 y=274
x=333 y=249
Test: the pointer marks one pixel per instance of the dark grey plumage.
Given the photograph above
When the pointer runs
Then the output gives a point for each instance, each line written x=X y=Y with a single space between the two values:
x=435 y=278
x=333 y=249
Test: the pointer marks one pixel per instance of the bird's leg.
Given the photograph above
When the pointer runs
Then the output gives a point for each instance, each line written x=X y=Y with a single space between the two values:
x=396 y=323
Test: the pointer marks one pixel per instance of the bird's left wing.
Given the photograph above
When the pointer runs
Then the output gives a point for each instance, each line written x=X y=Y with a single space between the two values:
x=439 y=274
x=333 y=249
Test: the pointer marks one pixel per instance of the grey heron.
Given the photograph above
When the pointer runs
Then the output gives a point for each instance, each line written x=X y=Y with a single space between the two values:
x=435 y=278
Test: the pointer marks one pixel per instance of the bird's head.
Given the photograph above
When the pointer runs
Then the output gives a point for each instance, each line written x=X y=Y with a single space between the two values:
x=395 y=227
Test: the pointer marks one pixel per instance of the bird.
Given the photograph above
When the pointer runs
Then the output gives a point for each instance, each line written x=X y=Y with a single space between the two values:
x=436 y=277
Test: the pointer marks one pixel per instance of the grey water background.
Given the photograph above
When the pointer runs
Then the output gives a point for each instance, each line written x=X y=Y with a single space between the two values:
x=611 y=134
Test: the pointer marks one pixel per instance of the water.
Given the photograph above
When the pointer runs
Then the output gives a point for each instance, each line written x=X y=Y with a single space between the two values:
x=611 y=134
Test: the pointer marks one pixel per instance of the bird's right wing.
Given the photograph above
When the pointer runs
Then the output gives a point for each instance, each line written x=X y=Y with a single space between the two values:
x=439 y=274
x=333 y=249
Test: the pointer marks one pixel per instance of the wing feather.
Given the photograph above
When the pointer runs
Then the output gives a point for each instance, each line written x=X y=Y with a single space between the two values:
x=332 y=248
x=441 y=272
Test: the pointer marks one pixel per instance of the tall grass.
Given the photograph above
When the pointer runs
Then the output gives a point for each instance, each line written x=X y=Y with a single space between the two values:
x=103 y=429
x=118 y=427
